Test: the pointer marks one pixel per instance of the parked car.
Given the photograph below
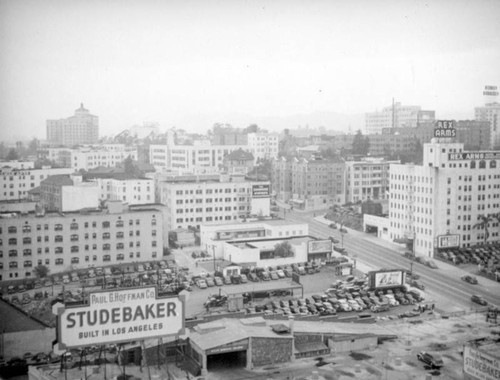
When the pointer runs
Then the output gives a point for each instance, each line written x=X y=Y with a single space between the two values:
x=432 y=360
x=431 y=264
x=253 y=277
x=380 y=308
x=201 y=283
x=227 y=280
x=210 y=281
x=478 y=299
x=470 y=279
x=243 y=278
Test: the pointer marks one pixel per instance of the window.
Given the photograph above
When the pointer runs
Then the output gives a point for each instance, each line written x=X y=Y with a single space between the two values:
x=74 y=238
x=38 y=239
x=58 y=238
x=105 y=224
x=106 y=258
x=153 y=233
x=153 y=244
x=26 y=228
x=75 y=260
x=28 y=264
x=137 y=222
x=58 y=227
x=94 y=224
x=12 y=230
x=119 y=234
x=13 y=253
x=86 y=225
x=73 y=226
x=153 y=222
x=13 y=264
x=26 y=252
x=119 y=246
x=27 y=240
x=59 y=261
x=120 y=257
x=59 y=250
x=106 y=235
x=137 y=233
x=106 y=247
x=12 y=241
x=75 y=249
x=119 y=223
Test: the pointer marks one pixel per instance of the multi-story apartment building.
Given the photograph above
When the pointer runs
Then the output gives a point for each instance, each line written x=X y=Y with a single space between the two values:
x=81 y=128
x=367 y=178
x=126 y=189
x=388 y=144
x=16 y=183
x=473 y=134
x=201 y=158
x=440 y=204
x=396 y=116
x=90 y=157
x=69 y=241
x=67 y=193
x=196 y=200
x=309 y=183
x=263 y=145
x=491 y=113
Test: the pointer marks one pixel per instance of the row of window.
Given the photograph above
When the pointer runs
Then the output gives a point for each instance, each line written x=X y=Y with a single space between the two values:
x=75 y=226
x=76 y=248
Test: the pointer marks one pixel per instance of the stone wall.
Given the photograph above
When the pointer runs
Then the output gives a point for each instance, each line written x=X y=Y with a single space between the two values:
x=271 y=351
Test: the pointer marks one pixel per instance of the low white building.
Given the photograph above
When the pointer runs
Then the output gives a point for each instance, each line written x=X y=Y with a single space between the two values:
x=213 y=236
x=66 y=193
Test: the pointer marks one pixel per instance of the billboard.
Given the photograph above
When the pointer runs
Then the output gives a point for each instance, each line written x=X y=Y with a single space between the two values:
x=445 y=128
x=386 y=279
x=319 y=246
x=473 y=156
x=480 y=364
x=490 y=90
x=261 y=191
x=119 y=316
x=448 y=241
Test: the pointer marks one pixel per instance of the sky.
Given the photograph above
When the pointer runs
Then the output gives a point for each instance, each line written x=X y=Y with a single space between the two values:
x=192 y=63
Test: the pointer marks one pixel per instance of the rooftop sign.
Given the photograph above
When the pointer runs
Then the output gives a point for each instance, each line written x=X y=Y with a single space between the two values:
x=445 y=128
x=261 y=191
x=490 y=90
x=119 y=316
x=473 y=156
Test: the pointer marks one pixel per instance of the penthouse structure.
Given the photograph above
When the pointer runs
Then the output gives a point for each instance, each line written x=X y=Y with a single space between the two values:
x=78 y=240
x=449 y=201
x=81 y=128
x=196 y=200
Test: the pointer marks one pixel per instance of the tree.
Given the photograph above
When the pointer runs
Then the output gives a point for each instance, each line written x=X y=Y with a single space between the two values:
x=283 y=249
x=483 y=223
x=41 y=271
x=252 y=128
x=360 y=144
x=12 y=155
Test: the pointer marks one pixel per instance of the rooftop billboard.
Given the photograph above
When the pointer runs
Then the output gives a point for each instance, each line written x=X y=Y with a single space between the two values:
x=119 y=316
x=319 y=246
x=386 y=279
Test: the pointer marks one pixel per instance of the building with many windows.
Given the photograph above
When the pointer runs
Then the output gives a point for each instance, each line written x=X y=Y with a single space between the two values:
x=81 y=128
x=367 y=178
x=66 y=193
x=90 y=157
x=309 y=183
x=201 y=158
x=490 y=113
x=15 y=184
x=396 y=116
x=441 y=204
x=195 y=200
x=69 y=241
x=263 y=145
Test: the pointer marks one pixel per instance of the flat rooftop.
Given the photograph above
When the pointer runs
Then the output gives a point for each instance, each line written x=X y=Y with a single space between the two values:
x=268 y=245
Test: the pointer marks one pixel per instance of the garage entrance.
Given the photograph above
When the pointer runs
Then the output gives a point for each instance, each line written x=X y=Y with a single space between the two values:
x=227 y=360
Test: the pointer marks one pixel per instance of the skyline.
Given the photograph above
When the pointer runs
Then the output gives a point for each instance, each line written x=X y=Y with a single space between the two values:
x=190 y=64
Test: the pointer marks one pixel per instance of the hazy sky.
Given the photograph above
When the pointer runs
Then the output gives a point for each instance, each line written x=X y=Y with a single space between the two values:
x=192 y=63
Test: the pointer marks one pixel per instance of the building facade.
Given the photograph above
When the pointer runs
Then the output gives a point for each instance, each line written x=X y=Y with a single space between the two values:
x=91 y=157
x=309 y=183
x=126 y=189
x=366 y=179
x=81 y=128
x=202 y=158
x=263 y=145
x=490 y=113
x=64 y=242
x=67 y=193
x=396 y=116
x=15 y=184
x=193 y=201
x=440 y=203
